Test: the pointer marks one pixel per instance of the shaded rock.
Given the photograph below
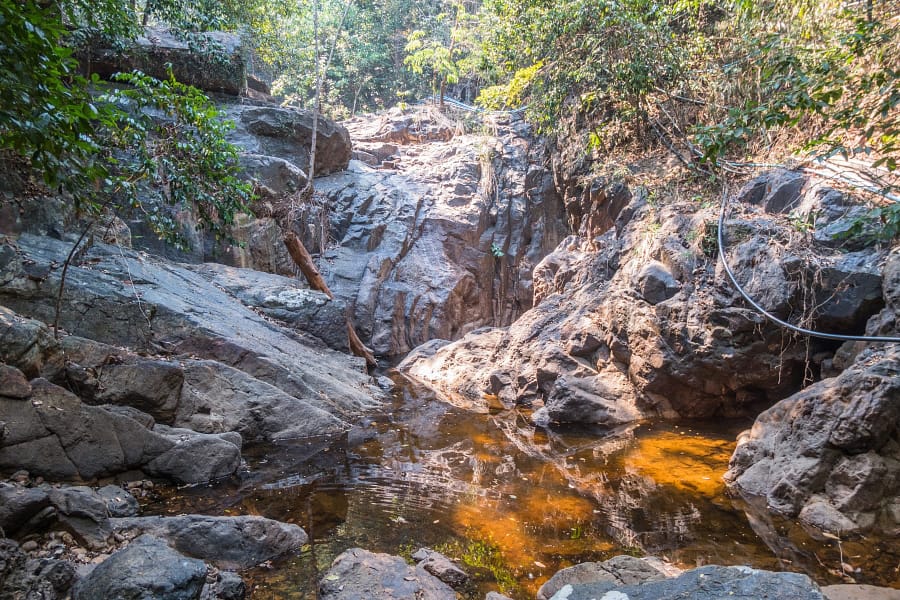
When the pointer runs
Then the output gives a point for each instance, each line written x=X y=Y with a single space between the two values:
x=441 y=567
x=621 y=570
x=83 y=512
x=276 y=177
x=181 y=311
x=228 y=542
x=830 y=453
x=655 y=283
x=219 y=67
x=27 y=344
x=228 y=586
x=54 y=435
x=147 y=568
x=18 y=505
x=706 y=583
x=217 y=398
x=119 y=502
x=151 y=386
x=13 y=383
x=286 y=133
x=360 y=575
x=21 y=577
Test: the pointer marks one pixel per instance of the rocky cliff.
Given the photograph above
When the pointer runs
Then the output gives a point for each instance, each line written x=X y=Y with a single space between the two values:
x=634 y=318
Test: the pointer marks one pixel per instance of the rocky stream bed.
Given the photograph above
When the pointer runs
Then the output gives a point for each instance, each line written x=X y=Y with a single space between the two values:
x=576 y=375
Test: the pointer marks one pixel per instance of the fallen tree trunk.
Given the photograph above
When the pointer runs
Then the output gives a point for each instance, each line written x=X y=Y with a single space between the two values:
x=304 y=261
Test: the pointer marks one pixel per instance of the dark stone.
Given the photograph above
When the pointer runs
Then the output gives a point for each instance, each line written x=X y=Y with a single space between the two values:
x=228 y=542
x=13 y=383
x=18 y=505
x=44 y=578
x=146 y=569
x=119 y=502
x=655 y=283
x=441 y=567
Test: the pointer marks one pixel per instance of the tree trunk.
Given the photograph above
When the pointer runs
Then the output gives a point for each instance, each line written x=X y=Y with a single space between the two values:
x=303 y=260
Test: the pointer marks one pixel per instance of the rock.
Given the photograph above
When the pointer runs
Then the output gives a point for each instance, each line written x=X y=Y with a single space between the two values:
x=444 y=242
x=18 y=505
x=27 y=345
x=151 y=386
x=620 y=570
x=220 y=67
x=228 y=586
x=119 y=502
x=147 y=568
x=83 y=512
x=634 y=322
x=13 y=383
x=182 y=312
x=706 y=583
x=286 y=133
x=496 y=596
x=275 y=176
x=21 y=577
x=360 y=575
x=217 y=398
x=228 y=542
x=655 y=283
x=54 y=435
x=441 y=567
x=196 y=457
x=857 y=592
x=830 y=453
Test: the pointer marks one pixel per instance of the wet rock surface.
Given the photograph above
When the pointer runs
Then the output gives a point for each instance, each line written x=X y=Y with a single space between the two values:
x=361 y=575
x=633 y=317
x=706 y=583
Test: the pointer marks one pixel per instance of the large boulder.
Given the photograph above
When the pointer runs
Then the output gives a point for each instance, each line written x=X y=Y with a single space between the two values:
x=620 y=570
x=361 y=575
x=227 y=542
x=632 y=318
x=144 y=570
x=706 y=583
x=830 y=454
x=211 y=61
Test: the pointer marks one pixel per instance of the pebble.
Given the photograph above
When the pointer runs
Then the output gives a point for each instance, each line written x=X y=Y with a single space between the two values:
x=30 y=546
x=99 y=559
x=20 y=476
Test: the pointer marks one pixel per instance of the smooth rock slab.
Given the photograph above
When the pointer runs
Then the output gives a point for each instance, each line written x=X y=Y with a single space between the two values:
x=361 y=575
x=228 y=542
x=623 y=570
x=146 y=569
x=712 y=582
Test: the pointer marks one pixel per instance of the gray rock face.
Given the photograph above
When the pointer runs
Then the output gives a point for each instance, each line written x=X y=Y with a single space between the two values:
x=227 y=542
x=21 y=577
x=632 y=320
x=54 y=435
x=706 y=583
x=830 y=454
x=176 y=310
x=145 y=569
x=27 y=344
x=286 y=133
x=360 y=575
x=619 y=570
x=18 y=505
x=445 y=240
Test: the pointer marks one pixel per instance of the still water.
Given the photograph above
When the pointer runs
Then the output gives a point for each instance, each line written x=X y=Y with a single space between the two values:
x=515 y=503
